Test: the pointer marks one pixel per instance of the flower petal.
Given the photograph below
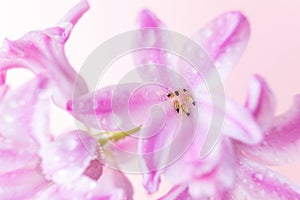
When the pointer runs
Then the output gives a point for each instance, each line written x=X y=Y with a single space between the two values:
x=224 y=39
x=25 y=114
x=2 y=77
x=3 y=90
x=238 y=122
x=151 y=44
x=111 y=185
x=282 y=141
x=117 y=107
x=215 y=172
x=154 y=146
x=15 y=155
x=261 y=102
x=68 y=156
x=177 y=192
x=263 y=183
x=43 y=53
x=21 y=183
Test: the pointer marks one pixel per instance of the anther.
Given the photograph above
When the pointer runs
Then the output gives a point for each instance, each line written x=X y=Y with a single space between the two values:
x=170 y=95
x=176 y=106
x=191 y=100
x=185 y=109
x=176 y=93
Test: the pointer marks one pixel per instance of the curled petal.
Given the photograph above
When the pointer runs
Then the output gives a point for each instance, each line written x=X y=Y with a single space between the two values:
x=68 y=157
x=25 y=112
x=22 y=183
x=72 y=16
x=224 y=40
x=261 y=102
x=281 y=141
x=42 y=52
x=263 y=183
x=151 y=45
x=117 y=107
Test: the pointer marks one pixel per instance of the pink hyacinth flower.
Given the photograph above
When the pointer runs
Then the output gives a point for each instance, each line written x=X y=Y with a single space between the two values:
x=249 y=175
x=34 y=164
x=167 y=134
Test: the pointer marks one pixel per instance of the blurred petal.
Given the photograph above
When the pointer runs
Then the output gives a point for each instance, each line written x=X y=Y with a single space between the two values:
x=3 y=90
x=112 y=185
x=151 y=42
x=261 y=102
x=22 y=183
x=24 y=113
x=15 y=155
x=177 y=192
x=224 y=40
x=123 y=106
x=282 y=141
x=263 y=183
x=43 y=53
x=68 y=156
x=2 y=78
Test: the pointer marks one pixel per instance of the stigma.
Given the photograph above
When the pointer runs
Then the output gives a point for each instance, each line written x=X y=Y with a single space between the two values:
x=182 y=100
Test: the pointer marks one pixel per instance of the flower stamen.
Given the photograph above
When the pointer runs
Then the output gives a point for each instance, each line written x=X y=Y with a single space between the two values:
x=180 y=98
x=104 y=137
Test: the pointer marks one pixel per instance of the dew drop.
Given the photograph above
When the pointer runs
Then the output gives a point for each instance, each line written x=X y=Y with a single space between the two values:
x=257 y=177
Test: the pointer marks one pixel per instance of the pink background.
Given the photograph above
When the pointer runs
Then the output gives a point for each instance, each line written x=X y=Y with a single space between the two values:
x=273 y=51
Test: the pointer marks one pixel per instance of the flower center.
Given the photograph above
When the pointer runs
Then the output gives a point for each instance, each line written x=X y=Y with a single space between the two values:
x=181 y=99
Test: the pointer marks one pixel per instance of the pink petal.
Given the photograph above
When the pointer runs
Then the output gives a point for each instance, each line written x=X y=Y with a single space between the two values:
x=22 y=183
x=238 y=122
x=261 y=101
x=211 y=176
x=2 y=77
x=3 y=90
x=154 y=146
x=177 y=192
x=15 y=155
x=74 y=14
x=68 y=156
x=150 y=44
x=263 y=183
x=224 y=40
x=117 y=107
x=25 y=112
x=281 y=142
x=111 y=185
x=168 y=138
x=43 y=53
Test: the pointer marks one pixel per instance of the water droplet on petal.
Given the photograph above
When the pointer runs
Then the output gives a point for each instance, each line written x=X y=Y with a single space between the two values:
x=257 y=177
